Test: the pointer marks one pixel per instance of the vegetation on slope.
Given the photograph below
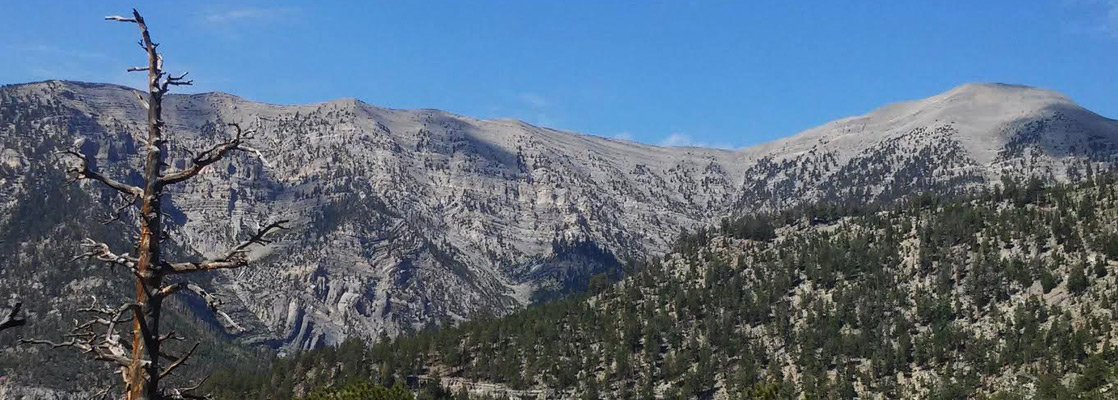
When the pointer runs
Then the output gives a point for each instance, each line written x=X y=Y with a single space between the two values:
x=1007 y=294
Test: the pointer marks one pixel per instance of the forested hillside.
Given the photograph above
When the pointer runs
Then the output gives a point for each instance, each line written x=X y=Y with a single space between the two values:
x=1007 y=294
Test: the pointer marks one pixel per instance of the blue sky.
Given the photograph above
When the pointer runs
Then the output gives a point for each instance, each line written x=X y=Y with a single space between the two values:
x=713 y=73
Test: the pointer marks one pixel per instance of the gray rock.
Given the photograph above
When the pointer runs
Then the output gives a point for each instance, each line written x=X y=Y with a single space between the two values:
x=408 y=217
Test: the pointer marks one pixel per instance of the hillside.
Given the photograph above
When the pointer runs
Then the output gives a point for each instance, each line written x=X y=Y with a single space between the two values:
x=407 y=218
x=1007 y=294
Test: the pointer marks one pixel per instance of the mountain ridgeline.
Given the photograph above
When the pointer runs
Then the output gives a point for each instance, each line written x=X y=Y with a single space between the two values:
x=1007 y=294
x=407 y=219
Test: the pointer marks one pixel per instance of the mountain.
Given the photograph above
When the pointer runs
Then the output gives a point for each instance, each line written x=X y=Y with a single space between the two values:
x=966 y=137
x=405 y=218
x=1009 y=294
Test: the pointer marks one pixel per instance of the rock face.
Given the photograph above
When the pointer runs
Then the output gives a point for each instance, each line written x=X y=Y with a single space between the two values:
x=408 y=217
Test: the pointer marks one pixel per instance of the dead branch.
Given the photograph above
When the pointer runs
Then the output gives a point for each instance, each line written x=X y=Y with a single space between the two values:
x=100 y=252
x=214 y=304
x=102 y=394
x=233 y=258
x=99 y=352
x=98 y=336
x=186 y=392
x=143 y=102
x=126 y=202
x=168 y=290
x=120 y=18
x=170 y=336
x=210 y=156
x=258 y=153
x=13 y=319
x=176 y=80
x=83 y=171
x=175 y=364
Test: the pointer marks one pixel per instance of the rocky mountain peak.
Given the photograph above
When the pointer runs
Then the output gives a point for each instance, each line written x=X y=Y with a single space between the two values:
x=406 y=217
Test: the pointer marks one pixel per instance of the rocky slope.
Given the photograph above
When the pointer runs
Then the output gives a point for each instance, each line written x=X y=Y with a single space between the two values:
x=407 y=217
x=1009 y=294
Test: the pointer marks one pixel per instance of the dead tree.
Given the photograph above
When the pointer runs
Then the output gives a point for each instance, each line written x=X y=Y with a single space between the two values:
x=137 y=353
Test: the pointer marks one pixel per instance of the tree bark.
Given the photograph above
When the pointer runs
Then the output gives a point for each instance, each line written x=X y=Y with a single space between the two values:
x=144 y=370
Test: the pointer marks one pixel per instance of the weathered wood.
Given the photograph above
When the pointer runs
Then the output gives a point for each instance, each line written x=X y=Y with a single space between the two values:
x=143 y=379
x=139 y=359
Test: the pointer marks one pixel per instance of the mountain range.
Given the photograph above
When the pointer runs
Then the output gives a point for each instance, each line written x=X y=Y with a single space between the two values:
x=405 y=218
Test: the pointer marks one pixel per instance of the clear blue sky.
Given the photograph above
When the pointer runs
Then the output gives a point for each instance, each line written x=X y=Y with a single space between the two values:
x=719 y=73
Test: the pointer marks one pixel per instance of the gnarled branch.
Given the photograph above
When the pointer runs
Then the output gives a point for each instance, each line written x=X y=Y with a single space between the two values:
x=186 y=393
x=96 y=351
x=176 y=81
x=210 y=156
x=101 y=252
x=233 y=258
x=126 y=202
x=213 y=303
x=88 y=337
x=178 y=362
x=83 y=171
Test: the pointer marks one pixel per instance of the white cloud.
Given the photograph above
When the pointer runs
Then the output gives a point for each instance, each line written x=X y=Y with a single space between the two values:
x=624 y=136
x=544 y=120
x=1112 y=17
x=534 y=100
x=54 y=51
x=681 y=140
x=678 y=140
x=256 y=14
x=43 y=62
x=1094 y=17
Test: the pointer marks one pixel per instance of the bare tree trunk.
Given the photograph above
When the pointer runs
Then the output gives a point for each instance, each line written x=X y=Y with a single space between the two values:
x=139 y=362
x=144 y=371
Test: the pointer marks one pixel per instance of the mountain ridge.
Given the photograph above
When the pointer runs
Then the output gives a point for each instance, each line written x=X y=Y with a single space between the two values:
x=409 y=217
x=966 y=89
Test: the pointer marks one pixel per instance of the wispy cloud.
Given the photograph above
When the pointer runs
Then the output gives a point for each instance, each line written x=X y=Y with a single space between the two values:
x=624 y=136
x=534 y=100
x=533 y=108
x=1111 y=21
x=681 y=140
x=542 y=119
x=1094 y=17
x=251 y=14
x=43 y=50
x=44 y=61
